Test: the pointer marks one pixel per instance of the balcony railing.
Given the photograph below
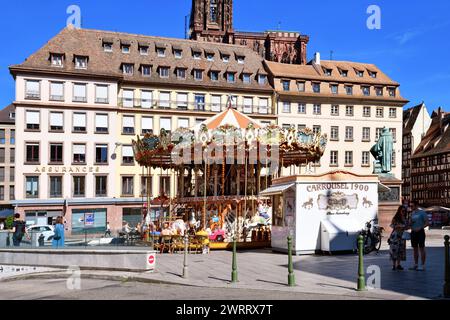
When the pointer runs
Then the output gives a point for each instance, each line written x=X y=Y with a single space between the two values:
x=191 y=106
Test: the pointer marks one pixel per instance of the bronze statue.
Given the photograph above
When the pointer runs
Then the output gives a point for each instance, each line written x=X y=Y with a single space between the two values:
x=382 y=152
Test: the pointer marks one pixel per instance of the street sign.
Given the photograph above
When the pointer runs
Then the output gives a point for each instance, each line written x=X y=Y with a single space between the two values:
x=151 y=259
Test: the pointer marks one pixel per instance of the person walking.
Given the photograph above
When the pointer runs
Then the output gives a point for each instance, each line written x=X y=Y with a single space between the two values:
x=58 y=238
x=418 y=223
x=18 y=230
x=397 y=243
x=108 y=230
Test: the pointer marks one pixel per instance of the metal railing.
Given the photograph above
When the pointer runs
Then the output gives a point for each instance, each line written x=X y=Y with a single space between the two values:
x=192 y=106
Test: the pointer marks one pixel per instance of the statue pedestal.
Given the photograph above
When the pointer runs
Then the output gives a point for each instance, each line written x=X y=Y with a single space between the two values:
x=388 y=202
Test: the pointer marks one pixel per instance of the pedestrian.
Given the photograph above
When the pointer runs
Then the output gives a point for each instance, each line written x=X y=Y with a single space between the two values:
x=397 y=242
x=58 y=237
x=108 y=230
x=18 y=230
x=2 y=225
x=418 y=223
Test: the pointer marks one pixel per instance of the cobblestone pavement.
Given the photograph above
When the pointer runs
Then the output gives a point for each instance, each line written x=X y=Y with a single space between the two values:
x=316 y=275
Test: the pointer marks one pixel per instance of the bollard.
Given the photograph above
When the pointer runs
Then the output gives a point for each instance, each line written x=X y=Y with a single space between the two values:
x=291 y=275
x=234 y=274
x=447 y=267
x=361 y=274
x=185 y=262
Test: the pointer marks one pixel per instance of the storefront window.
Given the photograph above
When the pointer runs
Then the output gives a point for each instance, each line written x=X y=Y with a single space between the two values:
x=89 y=221
x=278 y=212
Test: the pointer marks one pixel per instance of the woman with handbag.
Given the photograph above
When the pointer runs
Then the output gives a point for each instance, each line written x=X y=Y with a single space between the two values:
x=397 y=240
x=58 y=238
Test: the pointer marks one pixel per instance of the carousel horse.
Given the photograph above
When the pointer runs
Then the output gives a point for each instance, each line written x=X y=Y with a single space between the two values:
x=179 y=226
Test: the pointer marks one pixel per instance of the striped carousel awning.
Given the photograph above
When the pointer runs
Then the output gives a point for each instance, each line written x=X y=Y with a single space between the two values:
x=230 y=117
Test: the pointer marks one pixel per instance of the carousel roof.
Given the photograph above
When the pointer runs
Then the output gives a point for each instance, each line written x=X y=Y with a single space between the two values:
x=229 y=117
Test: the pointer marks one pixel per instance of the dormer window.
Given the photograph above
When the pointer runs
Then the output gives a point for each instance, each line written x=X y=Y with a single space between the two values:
x=366 y=90
x=178 y=53
x=334 y=88
x=128 y=69
x=181 y=73
x=226 y=58
x=125 y=48
x=210 y=56
x=344 y=73
x=81 y=62
x=262 y=79
x=240 y=59
x=163 y=72
x=349 y=90
x=197 y=55
x=360 y=73
x=56 y=59
x=198 y=74
x=316 y=87
x=143 y=50
x=379 y=91
x=246 y=78
x=214 y=75
x=161 y=50
x=231 y=77
x=107 y=46
x=391 y=92
x=328 y=72
x=372 y=74
x=146 y=70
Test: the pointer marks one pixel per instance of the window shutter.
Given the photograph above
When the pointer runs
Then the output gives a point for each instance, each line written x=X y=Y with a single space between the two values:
x=101 y=121
x=147 y=123
x=102 y=92
x=79 y=120
x=128 y=122
x=56 y=89
x=56 y=119
x=128 y=94
x=127 y=151
x=165 y=123
x=32 y=117
x=79 y=149
x=183 y=123
x=33 y=86
x=79 y=90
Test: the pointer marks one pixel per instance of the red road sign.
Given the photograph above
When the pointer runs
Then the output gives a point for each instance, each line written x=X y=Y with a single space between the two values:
x=151 y=259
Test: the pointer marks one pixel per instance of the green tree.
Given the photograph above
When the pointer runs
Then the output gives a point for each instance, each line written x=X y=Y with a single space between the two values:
x=9 y=222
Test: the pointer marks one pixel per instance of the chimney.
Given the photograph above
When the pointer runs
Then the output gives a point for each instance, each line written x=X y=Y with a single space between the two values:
x=317 y=58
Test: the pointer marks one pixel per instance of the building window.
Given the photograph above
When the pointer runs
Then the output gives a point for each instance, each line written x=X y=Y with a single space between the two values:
x=210 y=56
x=146 y=186
x=182 y=101
x=198 y=74
x=391 y=92
x=214 y=75
x=334 y=158
x=248 y=105
x=317 y=129
x=56 y=121
x=379 y=91
x=349 y=111
x=299 y=127
x=178 y=53
x=365 y=162
x=79 y=153
x=79 y=122
x=392 y=112
x=393 y=132
x=2 y=136
x=127 y=155
x=32 y=153
x=101 y=186
x=81 y=62
x=101 y=123
x=349 y=90
x=327 y=72
x=334 y=136
x=317 y=109
x=199 y=100
x=101 y=154
x=146 y=125
x=32 y=187
x=344 y=73
x=197 y=55
x=216 y=103
x=334 y=89
x=360 y=73
x=128 y=98
x=12 y=136
x=334 y=110
x=366 y=91
x=263 y=106
x=2 y=174
x=378 y=132
x=348 y=158
x=231 y=77
x=125 y=48
x=33 y=120
x=286 y=85
x=32 y=89
x=164 y=186
x=79 y=186
x=11 y=193
x=101 y=93
x=246 y=78
x=372 y=74
x=316 y=87
x=143 y=50
x=301 y=108
x=128 y=186
x=164 y=100
x=181 y=73
x=56 y=186
x=366 y=134
x=301 y=86
x=146 y=70
x=226 y=58
x=12 y=156
x=57 y=91
x=79 y=92
x=393 y=163
x=146 y=99
x=262 y=79
x=56 y=153
x=241 y=59
x=366 y=112
x=163 y=72
x=380 y=112
x=107 y=46
x=161 y=52
x=56 y=59
x=183 y=122
x=128 y=69
x=348 y=133
x=2 y=193
x=128 y=124
x=286 y=107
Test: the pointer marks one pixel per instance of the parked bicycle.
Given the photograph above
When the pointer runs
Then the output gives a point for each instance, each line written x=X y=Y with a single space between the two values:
x=372 y=238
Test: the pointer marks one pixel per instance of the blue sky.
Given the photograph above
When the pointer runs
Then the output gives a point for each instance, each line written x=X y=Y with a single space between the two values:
x=412 y=46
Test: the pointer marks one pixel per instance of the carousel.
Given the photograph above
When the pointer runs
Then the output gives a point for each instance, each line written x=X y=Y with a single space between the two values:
x=221 y=165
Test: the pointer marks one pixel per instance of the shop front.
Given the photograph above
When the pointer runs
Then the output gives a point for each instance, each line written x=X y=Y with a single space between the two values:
x=323 y=213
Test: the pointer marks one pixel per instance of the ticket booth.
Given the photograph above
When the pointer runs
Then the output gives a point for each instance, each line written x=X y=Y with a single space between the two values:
x=322 y=212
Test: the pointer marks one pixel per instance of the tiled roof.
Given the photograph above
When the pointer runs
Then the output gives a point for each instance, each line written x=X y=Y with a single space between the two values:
x=317 y=72
x=5 y=114
x=83 y=42
x=437 y=138
x=410 y=116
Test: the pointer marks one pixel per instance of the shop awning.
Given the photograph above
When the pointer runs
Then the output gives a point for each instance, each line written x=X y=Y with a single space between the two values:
x=383 y=188
x=276 y=190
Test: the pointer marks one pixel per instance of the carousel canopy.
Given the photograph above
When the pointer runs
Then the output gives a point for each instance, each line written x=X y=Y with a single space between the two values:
x=229 y=117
